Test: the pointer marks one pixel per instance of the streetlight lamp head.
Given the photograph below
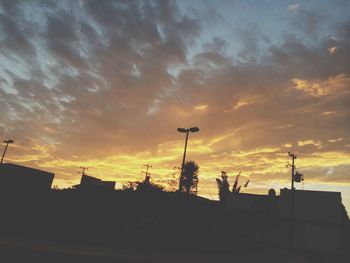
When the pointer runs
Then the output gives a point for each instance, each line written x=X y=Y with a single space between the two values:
x=9 y=141
x=194 y=129
x=181 y=130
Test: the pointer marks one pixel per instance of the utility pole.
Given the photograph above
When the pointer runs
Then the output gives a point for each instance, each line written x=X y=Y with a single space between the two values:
x=291 y=241
x=7 y=144
x=293 y=156
x=147 y=174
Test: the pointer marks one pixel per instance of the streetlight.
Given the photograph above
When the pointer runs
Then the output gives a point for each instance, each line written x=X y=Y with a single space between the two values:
x=7 y=144
x=183 y=130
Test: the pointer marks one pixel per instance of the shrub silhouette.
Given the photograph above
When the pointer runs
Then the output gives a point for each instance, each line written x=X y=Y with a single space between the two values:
x=224 y=186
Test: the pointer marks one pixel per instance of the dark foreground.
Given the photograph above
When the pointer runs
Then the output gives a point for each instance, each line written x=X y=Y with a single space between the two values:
x=71 y=226
x=156 y=221
x=24 y=250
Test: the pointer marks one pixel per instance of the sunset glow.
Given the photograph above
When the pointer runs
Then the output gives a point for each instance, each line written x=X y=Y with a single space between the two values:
x=105 y=84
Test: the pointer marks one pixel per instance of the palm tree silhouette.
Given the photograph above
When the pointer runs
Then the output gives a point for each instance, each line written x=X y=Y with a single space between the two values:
x=223 y=186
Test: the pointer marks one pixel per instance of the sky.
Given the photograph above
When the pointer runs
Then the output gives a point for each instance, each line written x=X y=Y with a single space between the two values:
x=105 y=85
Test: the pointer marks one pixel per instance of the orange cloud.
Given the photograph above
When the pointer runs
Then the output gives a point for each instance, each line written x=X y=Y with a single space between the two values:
x=318 y=144
x=332 y=50
x=319 y=88
x=201 y=107
x=242 y=102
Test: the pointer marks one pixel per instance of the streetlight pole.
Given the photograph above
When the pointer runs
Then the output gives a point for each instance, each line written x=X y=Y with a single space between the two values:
x=184 y=156
x=187 y=131
x=7 y=144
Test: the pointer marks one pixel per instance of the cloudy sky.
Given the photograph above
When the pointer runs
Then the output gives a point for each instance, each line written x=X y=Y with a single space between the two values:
x=105 y=84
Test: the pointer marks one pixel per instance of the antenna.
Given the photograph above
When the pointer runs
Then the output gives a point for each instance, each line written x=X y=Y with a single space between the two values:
x=83 y=169
x=147 y=174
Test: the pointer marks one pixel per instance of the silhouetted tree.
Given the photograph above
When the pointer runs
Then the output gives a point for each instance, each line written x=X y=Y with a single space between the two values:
x=189 y=178
x=223 y=186
x=143 y=186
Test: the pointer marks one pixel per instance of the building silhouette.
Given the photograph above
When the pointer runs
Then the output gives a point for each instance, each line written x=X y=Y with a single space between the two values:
x=15 y=177
x=317 y=219
x=91 y=183
x=315 y=223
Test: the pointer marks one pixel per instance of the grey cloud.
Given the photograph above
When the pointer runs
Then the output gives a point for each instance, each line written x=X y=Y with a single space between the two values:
x=61 y=39
x=13 y=39
x=309 y=22
x=216 y=45
x=104 y=99
x=251 y=39
x=9 y=6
